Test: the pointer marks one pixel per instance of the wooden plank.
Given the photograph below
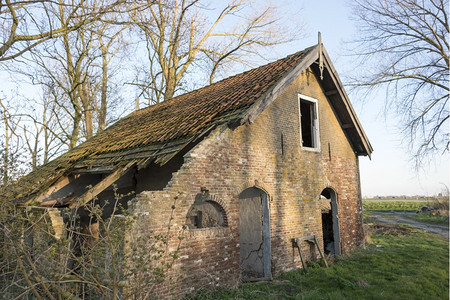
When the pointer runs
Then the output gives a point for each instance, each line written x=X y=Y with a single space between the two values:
x=310 y=239
x=305 y=238
x=49 y=188
x=295 y=244
x=101 y=186
x=57 y=202
x=97 y=170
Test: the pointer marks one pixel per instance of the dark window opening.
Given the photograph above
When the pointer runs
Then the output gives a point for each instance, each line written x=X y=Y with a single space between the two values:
x=330 y=222
x=308 y=123
x=327 y=227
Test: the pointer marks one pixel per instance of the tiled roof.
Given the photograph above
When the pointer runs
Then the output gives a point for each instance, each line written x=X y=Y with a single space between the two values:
x=191 y=113
x=160 y=131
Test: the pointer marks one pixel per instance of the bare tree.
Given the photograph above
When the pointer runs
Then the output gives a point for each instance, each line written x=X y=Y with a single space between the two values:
x=65 y=70
x=405 y=48
x=41 y=131
x=28 y=139
x=10 y=144
x=179 y=37
x=75 y=71
x=110 y=42
x=26 y=24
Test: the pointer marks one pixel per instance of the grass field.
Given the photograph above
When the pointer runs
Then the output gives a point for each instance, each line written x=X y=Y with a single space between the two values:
x=406 y=206
x=399 y=263
x=429 y=219
x=395 y=205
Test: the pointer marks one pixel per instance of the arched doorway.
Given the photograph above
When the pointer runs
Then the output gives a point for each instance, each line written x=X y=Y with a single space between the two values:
x=330 y=223
x=254 y=235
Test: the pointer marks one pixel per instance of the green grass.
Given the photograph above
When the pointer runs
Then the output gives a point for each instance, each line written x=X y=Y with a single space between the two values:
x=407 y=264
x=395 y=205
x=429 y=218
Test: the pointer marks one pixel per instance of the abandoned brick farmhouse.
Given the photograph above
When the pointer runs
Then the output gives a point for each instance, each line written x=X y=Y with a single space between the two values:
x=249 y=163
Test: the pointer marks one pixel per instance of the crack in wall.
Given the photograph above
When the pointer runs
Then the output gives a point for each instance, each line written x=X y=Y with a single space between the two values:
x=253 y=251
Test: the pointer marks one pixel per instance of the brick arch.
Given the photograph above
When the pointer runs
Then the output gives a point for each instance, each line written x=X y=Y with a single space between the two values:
x=223 y=208
x=252 y=184
x=329 y=187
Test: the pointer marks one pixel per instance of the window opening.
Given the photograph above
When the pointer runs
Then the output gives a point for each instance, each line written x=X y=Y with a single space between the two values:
x=309 y=122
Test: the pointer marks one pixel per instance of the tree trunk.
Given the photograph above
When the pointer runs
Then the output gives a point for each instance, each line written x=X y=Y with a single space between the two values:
x=104 y=90
x=74 y=136
x=6 y=155
x=87 y=110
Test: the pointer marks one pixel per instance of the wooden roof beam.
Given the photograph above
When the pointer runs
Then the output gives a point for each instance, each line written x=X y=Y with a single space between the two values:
x=97 y=170
x=331 y=92
x=101 y=186
x=347 y=126
x=48 y=190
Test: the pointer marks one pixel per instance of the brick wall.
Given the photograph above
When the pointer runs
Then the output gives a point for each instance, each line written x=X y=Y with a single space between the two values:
x=266 y=154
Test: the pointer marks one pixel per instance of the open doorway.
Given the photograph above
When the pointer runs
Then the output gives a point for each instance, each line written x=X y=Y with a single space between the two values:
x=330 y=222
x=254 y=233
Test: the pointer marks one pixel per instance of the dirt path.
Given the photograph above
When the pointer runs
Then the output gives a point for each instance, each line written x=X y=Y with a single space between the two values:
x=402 y=218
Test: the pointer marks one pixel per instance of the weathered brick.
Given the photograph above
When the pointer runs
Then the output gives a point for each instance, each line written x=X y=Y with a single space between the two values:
x=230 y=160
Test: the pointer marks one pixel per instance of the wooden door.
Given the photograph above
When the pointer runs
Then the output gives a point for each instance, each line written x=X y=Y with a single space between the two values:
x=254 y=230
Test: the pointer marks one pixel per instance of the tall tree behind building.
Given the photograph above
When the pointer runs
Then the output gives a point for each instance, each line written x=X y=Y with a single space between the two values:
x=405 y=48
x=76 y=71
x=79 y=61
x=181 y=35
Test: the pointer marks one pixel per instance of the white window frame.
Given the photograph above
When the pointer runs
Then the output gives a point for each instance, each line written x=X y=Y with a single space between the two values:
x=316 y=130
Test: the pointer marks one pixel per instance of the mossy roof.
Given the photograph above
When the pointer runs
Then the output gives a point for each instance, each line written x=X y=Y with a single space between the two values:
x=158 y=132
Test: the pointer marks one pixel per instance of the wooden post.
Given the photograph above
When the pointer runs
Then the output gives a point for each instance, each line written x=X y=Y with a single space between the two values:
x=295 y=244
x=320 y=251
x=312 y=239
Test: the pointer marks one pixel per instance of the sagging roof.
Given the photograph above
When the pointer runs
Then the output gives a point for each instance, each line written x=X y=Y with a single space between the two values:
x=157 y=133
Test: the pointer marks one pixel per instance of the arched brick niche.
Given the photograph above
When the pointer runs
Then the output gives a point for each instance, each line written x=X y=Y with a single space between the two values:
x=207 y=211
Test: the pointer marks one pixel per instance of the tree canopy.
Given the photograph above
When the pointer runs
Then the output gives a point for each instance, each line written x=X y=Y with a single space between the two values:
x=73 y=68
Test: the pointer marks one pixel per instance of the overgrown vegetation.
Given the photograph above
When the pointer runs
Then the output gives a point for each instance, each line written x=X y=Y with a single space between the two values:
x=92 y=252
x=398 y=263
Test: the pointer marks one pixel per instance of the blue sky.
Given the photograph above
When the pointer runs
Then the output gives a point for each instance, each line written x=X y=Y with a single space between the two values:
x=390 y=171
